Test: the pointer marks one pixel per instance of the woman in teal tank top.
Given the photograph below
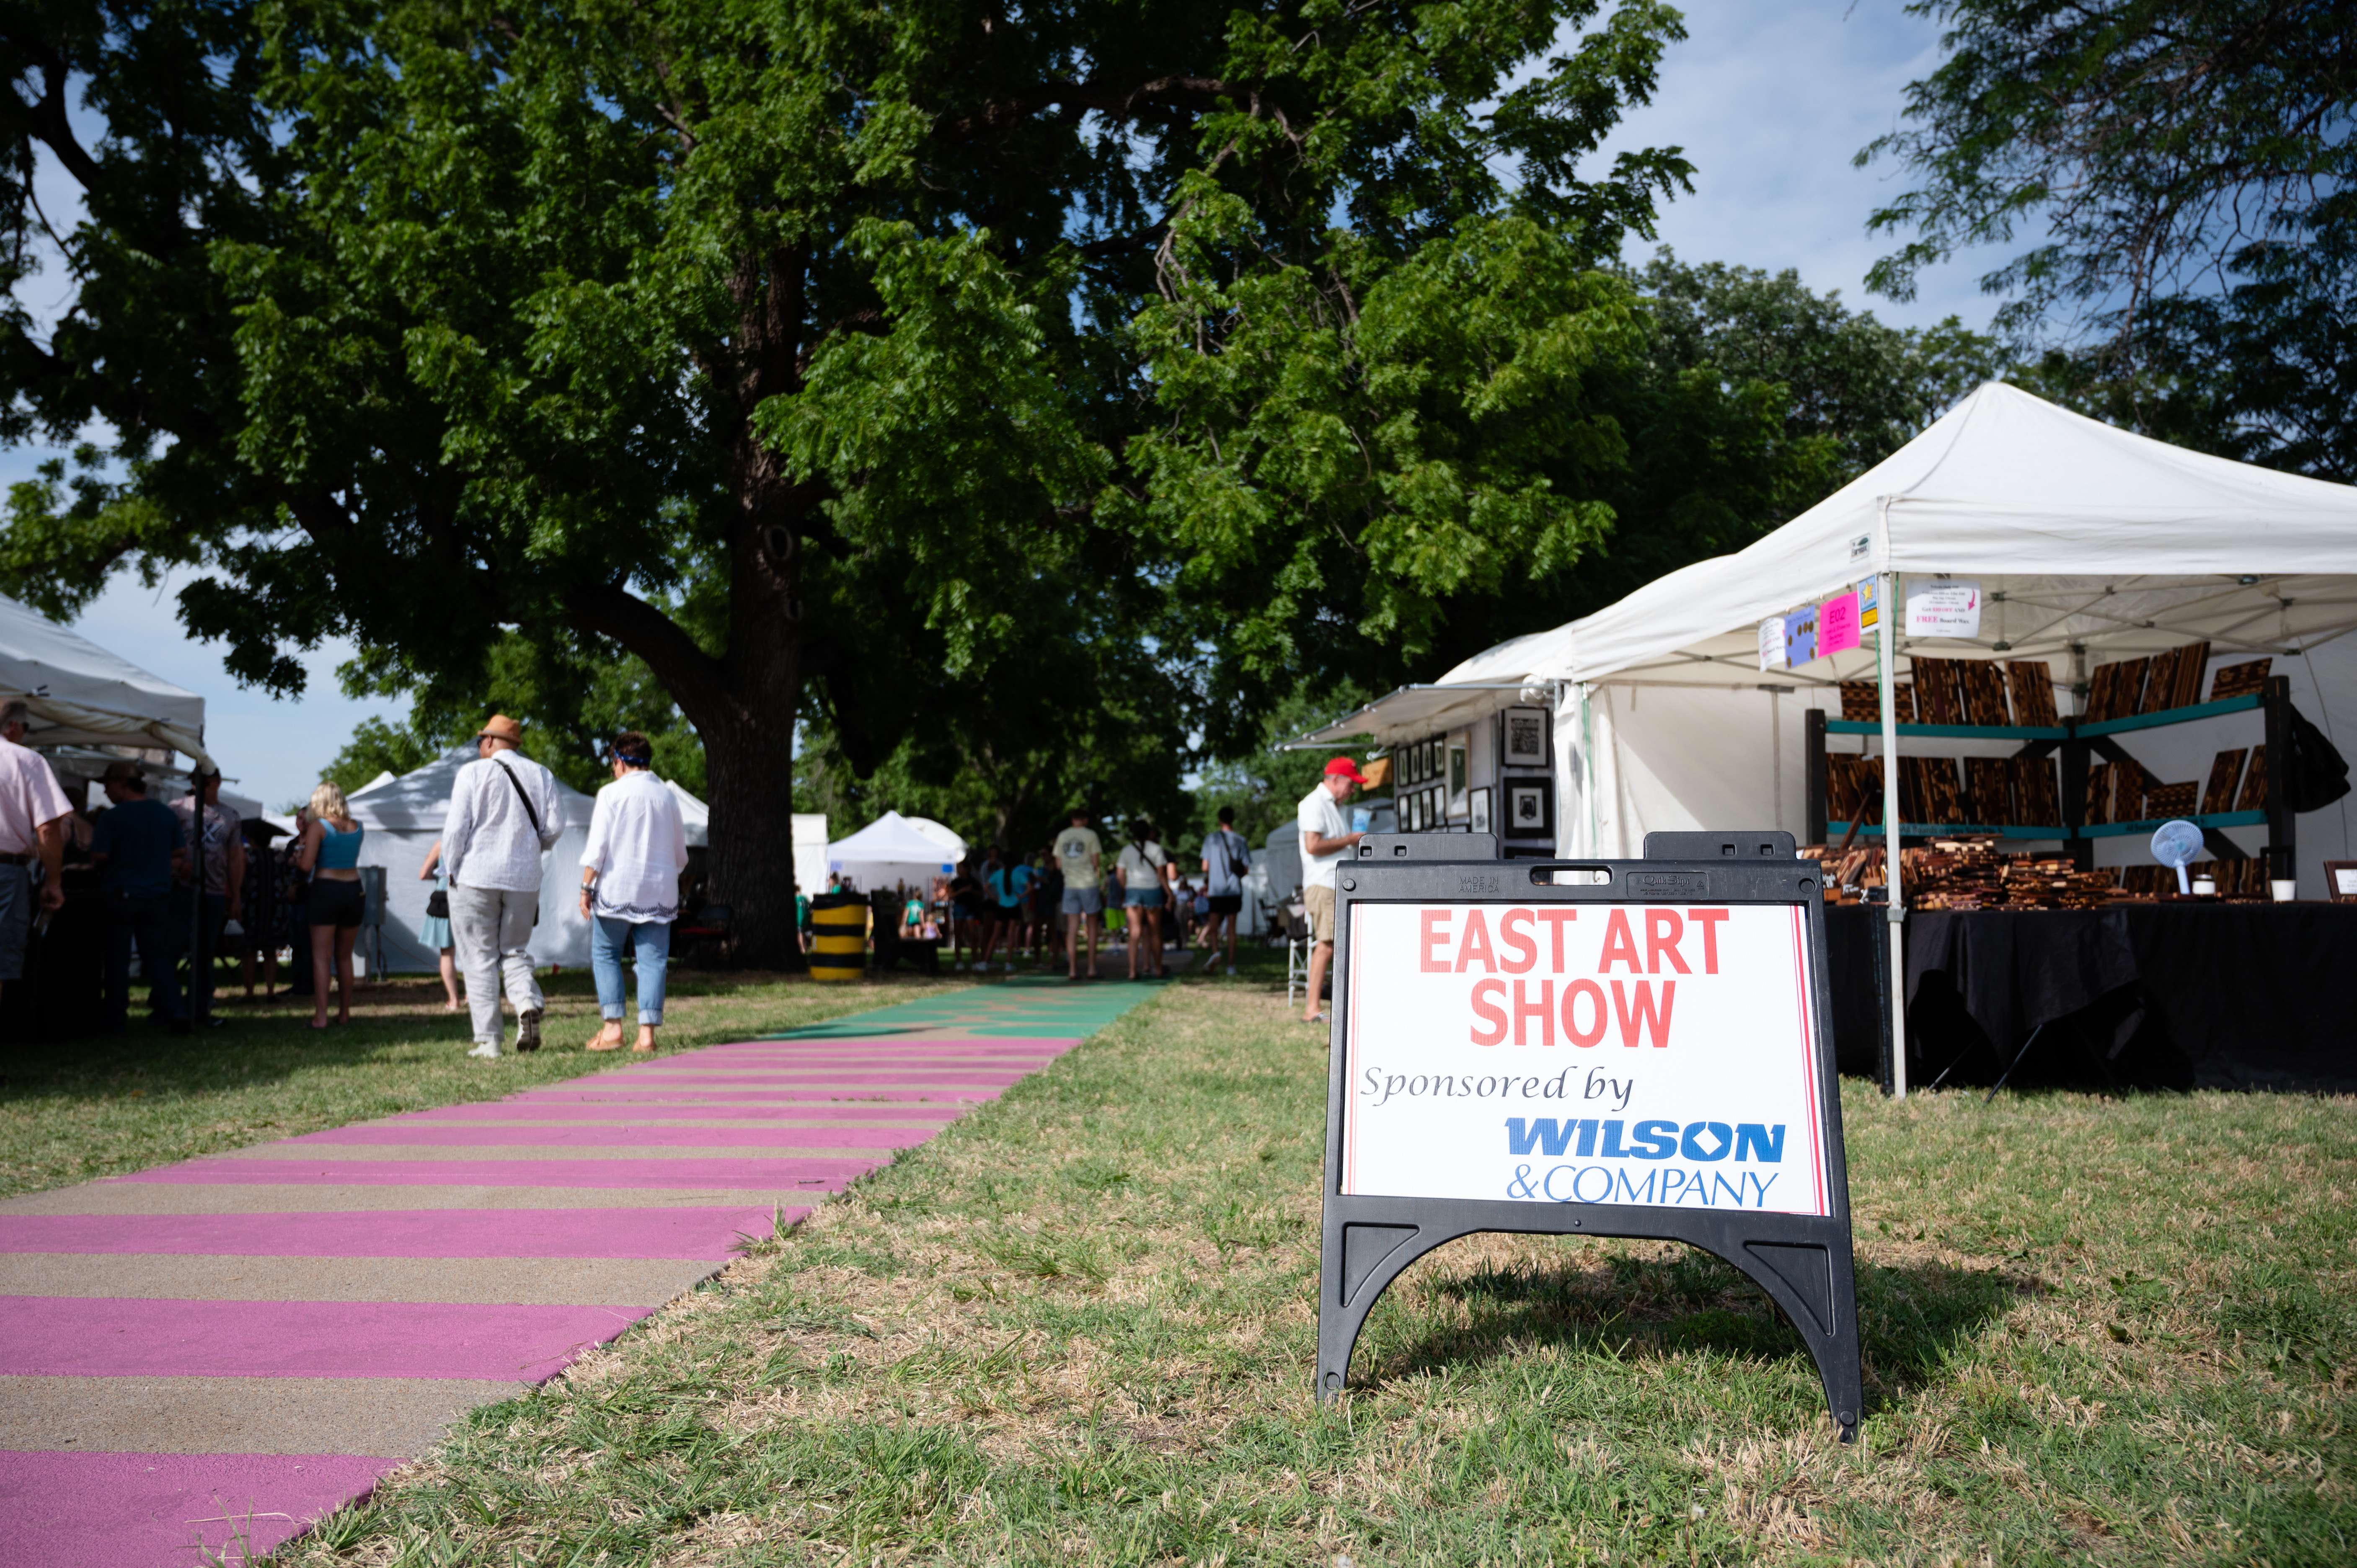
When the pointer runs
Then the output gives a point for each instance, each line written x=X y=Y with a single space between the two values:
x=330 y=852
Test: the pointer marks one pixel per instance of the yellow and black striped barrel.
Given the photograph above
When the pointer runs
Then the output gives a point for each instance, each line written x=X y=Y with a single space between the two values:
x=838 y=936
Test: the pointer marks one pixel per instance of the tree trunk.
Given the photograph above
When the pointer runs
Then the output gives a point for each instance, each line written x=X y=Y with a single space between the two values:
x=750 y=862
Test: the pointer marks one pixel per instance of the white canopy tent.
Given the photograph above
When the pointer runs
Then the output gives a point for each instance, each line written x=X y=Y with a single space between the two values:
x=2087 y=543
x=893 y=849
x=694 y=817
x=403 y=817
x=80 y=694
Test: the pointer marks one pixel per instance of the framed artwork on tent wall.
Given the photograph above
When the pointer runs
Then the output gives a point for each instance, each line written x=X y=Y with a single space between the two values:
x=1525 y=737
x=1529 y=808
x=1460 y=776
x=1477 y=810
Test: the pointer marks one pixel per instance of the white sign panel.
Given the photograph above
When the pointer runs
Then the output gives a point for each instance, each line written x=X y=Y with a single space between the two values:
x=1585 y=1053
x=1943 y=608
x=1771 y=643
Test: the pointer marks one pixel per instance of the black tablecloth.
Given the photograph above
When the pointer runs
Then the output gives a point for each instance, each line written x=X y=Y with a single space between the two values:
x=2218 y=995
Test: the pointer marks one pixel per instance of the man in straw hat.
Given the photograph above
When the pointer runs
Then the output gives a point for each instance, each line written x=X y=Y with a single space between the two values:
x=504 y=813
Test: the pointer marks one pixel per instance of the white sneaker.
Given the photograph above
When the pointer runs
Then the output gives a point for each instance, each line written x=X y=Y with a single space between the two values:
x=486 y=1051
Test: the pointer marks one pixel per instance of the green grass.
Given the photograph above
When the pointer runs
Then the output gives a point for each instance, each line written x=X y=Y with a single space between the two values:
x=91 y=1108
x=1078 y=1329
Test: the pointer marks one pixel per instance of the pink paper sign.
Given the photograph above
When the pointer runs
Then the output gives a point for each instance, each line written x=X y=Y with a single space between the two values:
x=1837 y=625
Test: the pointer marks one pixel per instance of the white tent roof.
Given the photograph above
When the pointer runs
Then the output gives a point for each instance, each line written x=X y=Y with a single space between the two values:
x=419 y=800
x=695 y=816
x=890 y=847
x=82 y=695
x=2076 y=533
x=944 y=836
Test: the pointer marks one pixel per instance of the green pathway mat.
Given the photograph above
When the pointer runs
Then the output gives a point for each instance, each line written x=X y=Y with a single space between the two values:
x=1024 y=1008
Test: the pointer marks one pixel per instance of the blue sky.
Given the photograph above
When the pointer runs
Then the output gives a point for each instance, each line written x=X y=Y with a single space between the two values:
x=1770 y=99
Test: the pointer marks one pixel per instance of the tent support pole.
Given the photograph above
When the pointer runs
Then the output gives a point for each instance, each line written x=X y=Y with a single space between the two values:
x=1886 y=660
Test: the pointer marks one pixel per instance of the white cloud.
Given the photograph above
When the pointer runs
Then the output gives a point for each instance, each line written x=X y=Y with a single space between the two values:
x=1772 y=98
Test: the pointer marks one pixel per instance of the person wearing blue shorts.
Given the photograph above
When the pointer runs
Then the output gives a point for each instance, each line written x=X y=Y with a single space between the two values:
x=1145 y=870
x=1080 y=857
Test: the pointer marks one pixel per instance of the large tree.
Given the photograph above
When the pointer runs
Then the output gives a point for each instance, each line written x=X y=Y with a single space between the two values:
x=2173 y=188
x=756 y=338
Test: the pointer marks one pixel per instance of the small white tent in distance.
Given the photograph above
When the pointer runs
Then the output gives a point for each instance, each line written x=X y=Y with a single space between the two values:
x=891 y=849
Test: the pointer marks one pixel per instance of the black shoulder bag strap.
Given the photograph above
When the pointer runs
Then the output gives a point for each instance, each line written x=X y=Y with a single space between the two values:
x=530 y=815
x=517 y=785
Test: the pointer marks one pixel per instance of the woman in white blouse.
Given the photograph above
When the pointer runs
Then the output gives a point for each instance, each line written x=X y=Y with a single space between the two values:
x=630 y=887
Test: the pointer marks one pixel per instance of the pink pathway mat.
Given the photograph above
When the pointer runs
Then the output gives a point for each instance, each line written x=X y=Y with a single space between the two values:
x=213 y=1383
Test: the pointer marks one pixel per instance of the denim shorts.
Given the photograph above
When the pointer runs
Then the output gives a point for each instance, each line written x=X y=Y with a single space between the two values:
x=1143 y=897
x=1083 y=901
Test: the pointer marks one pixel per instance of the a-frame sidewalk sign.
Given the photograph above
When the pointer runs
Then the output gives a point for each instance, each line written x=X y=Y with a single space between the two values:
x=1618 y=1047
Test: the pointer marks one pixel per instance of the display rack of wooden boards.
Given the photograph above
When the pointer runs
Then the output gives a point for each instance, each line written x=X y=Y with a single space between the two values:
x=2020 y=796
x=1970 y=872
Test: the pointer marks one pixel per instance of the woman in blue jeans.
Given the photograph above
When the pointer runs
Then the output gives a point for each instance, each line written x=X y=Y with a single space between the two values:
x=630 y=887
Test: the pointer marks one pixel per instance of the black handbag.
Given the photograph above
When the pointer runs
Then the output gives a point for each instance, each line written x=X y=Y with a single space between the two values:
x=437 y=905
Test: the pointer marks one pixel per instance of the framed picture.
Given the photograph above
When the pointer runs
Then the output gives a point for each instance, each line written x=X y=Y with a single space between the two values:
x=1525 y=737
x=1459 y=775
x=2341 y=881
x=1478 y=810
x=1419 y=812
x=1529 y=808
x=1412 y=763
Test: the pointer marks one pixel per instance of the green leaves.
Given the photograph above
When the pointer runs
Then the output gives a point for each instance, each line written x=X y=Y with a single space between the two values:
x=2177 y=188
x=1396 y=433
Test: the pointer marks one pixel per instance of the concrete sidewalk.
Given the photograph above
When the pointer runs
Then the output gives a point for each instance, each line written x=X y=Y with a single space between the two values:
x=207 y=1357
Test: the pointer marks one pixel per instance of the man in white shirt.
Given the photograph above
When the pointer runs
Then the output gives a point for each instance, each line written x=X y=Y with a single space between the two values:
x=33 y=813
x=504 y=813
x=1326 y=838
x=630 y=887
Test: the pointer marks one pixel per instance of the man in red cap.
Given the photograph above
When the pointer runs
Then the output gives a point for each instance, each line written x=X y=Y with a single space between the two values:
x=1326 y=838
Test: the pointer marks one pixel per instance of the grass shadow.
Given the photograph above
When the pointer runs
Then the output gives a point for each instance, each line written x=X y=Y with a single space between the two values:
x=1913 y=1318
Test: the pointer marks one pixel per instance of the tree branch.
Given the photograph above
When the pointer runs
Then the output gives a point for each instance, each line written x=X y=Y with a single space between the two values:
x=1120 y=102
x=50 y=122
x=691 y=676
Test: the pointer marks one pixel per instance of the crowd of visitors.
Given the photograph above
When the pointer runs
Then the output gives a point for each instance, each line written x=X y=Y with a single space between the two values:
x=194 y=881
x=1060 y=904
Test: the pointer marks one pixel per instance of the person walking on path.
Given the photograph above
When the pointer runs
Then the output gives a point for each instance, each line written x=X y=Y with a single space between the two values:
x=434 y=930
x=504 y=815
x=1080 y=860
x=1010 y=885
x=34 y=817
x=1145 y=870
x=138 y=847
x=630 y=887
x=329 y=850
x=1326 y=838
x=208 y=896
x=1226 y=861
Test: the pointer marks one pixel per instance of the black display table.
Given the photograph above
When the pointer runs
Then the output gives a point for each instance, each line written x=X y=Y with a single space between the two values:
x=2174 y=994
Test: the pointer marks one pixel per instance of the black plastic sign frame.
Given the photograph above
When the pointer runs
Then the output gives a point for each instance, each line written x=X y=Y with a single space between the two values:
x=1803 y=1261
